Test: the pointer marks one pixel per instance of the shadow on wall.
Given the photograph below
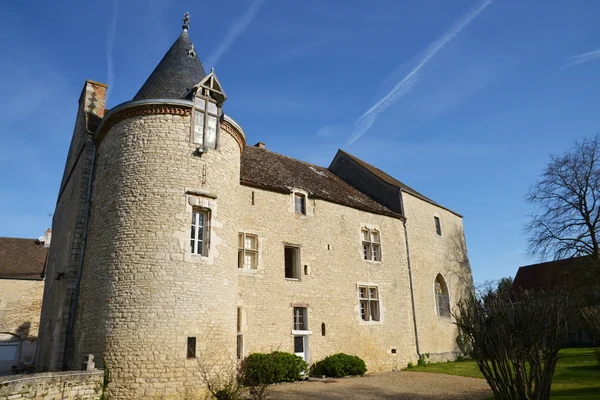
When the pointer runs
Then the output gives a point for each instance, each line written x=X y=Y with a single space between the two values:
x=457 y=260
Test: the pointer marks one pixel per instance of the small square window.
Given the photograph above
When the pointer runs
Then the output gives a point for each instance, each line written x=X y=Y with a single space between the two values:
x=368 y=297
x=438 y=227
x=199 y=232
x=247 y=251
x=371 y=244
x=191 y=347
x=300 y=319
x=292 y=262
x=300 y=203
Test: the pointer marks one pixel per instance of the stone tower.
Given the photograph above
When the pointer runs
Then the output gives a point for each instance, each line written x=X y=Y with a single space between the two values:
x=166 y=167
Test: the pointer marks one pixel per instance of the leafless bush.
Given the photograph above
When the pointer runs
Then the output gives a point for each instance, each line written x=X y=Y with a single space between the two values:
x=222 y=378
x=592 y=316
x=515 y=338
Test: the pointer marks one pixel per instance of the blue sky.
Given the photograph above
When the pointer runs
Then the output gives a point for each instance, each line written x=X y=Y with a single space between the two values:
x=463 y=100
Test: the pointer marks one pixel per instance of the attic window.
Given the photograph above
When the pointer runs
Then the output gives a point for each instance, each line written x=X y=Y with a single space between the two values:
x=205 y=122
x=300 y=203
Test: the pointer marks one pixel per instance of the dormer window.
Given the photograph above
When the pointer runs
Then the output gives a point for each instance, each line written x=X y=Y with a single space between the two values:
x=206 y=114
x=208 y=98
x=300 y=203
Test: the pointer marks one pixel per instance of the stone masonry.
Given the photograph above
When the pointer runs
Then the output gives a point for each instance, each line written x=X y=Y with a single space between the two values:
x=144 y=295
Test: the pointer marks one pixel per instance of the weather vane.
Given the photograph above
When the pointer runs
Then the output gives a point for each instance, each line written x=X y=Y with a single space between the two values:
x=186 y=21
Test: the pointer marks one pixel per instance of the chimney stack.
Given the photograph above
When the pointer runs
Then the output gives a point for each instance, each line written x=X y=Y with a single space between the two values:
x=94 y=97
x=260 y=145
x=48 y=238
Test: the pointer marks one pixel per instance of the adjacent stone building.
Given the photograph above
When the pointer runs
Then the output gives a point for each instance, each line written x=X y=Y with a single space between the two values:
x=177 y=241
x=22 y=263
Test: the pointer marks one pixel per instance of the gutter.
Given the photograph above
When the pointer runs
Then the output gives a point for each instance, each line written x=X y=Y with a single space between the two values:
x=410 y=278
x=69 y=340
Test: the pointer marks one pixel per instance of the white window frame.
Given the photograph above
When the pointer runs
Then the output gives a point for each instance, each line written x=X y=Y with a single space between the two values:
x=201 y=108
x=200 y=232
x=244 y=251
x=301 y=207
x=371 y=249
x=300 y=321
x=369 y=302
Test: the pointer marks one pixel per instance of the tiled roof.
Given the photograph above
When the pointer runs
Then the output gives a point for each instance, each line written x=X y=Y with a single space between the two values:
x=265 y=169
x=178 y=72
x=394 y=182
x=552 y=274
x=21 y=258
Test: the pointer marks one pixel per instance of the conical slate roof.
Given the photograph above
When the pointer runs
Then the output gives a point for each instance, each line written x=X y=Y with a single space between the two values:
x=178 y=72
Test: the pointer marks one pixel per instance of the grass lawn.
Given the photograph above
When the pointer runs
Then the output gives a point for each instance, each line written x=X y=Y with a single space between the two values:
x=577 y=374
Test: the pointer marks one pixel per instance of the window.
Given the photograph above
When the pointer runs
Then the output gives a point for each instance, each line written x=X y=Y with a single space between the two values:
x=369 y=303
x=191 y=347
x=371 y=244
x=199 y=232
x=300 y=319
x=442 y=300
x=205 y=122
x=300 y=203
x=292 y=262
x=240 y=337
x=438 y=227
x=247 y=251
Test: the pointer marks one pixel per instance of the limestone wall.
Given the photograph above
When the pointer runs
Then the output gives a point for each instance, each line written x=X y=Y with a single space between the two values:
x=20 y=307
x=53 y=386
x=143 y=294
x=431 y=255
x=330 y=244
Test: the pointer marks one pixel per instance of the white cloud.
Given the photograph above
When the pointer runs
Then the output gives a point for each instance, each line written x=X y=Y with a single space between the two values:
x=112 y=34
x=236 y=30
x=407 y=82
x=582 y=58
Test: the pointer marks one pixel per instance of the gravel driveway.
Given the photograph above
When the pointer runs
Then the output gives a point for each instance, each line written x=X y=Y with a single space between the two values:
x=386 y=386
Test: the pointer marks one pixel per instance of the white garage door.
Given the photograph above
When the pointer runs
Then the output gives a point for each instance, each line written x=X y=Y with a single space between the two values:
x=8 y=356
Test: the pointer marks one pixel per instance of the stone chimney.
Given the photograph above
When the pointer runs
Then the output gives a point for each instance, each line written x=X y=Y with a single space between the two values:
x=260 y=145
x=93 y=96
x=48 y=238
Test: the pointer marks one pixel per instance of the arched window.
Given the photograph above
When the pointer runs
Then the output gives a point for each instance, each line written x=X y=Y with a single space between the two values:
x=442 y=300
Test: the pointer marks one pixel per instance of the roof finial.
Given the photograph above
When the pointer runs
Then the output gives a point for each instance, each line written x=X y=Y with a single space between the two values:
x=186 y=22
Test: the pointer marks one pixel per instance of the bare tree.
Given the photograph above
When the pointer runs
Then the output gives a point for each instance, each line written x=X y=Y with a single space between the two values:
x=515 y=337
x=566 y=220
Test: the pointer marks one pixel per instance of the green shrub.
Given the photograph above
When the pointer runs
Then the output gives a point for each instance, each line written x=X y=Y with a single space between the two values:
x=339 y=365
x=262 y=369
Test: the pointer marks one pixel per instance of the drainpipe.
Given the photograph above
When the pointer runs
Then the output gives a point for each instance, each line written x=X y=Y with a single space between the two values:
x=69 y=341
x=410 y=279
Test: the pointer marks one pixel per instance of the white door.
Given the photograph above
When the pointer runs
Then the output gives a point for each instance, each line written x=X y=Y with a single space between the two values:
x=301 y=347
x=8 y=357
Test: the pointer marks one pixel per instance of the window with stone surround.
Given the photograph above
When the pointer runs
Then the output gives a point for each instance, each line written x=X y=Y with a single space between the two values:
x=368 y=297
x=240 y=336
x=292 y=262
x=438 y=226
x=442 y=298
x=371 y=244
x=191 y=347
x=300 y=203
x=300 y=319
x=199 y=231
x=247 y=251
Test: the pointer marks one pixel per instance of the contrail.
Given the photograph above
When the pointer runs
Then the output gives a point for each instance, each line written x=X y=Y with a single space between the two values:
x=582 y=58
x=237 y=29
x=406 y=84
x=112 y=33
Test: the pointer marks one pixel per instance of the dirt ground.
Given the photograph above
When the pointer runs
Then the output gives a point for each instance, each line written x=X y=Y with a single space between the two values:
x=386 y=386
